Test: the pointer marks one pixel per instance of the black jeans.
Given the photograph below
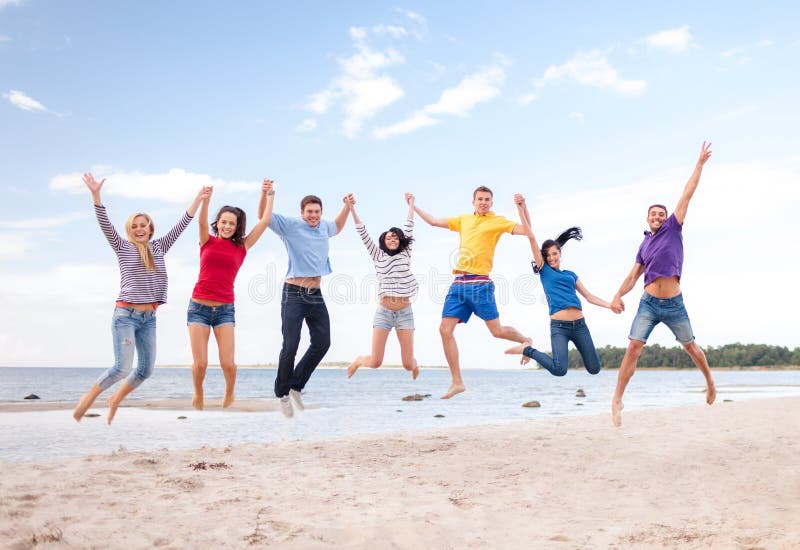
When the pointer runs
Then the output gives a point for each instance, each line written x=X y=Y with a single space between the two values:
x=300 y=304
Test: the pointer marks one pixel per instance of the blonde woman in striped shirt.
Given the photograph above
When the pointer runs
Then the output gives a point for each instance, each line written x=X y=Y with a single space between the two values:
x=396 y=287
x=143 y=287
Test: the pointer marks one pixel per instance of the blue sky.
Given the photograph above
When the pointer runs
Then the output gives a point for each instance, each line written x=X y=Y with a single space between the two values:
x=592 y=112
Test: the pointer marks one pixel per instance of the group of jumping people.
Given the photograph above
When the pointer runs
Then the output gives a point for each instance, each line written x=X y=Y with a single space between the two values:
x=143 y=288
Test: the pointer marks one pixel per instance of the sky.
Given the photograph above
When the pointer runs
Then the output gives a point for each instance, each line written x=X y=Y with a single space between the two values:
x=591 y=111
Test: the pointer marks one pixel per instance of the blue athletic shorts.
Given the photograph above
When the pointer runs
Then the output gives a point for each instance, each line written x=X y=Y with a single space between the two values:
x=465 y=298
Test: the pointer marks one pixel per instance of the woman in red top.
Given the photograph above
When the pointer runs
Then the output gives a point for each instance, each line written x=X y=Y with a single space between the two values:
x=211 y=306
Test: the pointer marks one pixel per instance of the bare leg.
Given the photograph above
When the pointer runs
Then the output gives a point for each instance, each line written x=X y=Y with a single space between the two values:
x=198 y=336
x=699 y=358
x=507 y=333
x=626 y=370
x=406 y=339
x=225 y=336
x=450 y=346
x=86 y=401
x=116 y=399
x=375 y=359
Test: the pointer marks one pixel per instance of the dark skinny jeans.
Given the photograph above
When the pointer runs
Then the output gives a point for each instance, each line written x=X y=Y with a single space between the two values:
x=561 y=333
x=300 y=304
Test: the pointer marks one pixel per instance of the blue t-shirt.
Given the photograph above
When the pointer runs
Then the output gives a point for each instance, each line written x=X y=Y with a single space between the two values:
x=307 y=246
x=559 y=287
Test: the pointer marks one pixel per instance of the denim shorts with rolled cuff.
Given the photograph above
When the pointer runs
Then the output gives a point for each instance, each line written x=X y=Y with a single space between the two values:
x=669 y=311
x=387 y=319
x=210 y=316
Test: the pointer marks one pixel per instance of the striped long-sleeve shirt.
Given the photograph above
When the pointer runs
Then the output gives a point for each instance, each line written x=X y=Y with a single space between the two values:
x=138 y=285
x=394 y=272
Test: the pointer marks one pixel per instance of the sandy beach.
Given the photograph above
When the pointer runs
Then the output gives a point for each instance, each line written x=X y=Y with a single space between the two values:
x=694 y=477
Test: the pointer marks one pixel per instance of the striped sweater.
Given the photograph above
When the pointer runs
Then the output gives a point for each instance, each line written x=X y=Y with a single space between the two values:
x=394 y=272
x=138 y=285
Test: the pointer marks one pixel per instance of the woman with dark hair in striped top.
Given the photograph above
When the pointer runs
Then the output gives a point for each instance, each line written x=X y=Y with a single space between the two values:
x=396 y=286
x=143 y=287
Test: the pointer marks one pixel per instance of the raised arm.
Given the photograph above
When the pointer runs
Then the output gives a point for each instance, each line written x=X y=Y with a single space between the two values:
x=169 y=238
x=430 y=220
x=265 y=205
x=94 y=187
x=525 y=218
x=691 y=185
x=617 y=305
x=592 y=299
x=350 y=201
x=341 y=219
x=202 y=219
x=410 y=199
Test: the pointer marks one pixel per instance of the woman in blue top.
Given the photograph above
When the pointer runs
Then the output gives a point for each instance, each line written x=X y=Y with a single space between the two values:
x=566 y=318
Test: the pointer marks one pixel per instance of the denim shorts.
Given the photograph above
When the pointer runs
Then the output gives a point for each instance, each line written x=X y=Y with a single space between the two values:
x=669 y=311
x=387 y=319
x=464 y=299
x=210 y=316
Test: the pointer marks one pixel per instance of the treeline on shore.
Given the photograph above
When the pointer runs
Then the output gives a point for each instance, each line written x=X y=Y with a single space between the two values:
x=729 y=355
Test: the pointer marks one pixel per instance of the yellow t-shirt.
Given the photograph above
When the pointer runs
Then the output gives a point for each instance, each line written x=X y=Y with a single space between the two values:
x=479 y=236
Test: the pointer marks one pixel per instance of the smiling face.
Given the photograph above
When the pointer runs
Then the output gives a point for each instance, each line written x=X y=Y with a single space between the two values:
x=656 y=217
x=391 y=240
x=553 y=257
x=312 y=213
x=482 y=202
x=140 y=229
x=226 y=225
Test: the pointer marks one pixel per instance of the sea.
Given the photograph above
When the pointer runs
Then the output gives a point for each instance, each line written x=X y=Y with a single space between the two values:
x=369 y=403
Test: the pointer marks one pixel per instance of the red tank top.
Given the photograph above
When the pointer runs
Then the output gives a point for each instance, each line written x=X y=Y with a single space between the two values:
x=220 y=261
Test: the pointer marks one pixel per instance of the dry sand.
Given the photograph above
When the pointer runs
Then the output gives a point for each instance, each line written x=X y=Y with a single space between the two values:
x=725 y=476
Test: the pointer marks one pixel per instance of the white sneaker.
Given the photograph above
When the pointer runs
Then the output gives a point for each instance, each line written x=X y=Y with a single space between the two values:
x=286 y=407
x=297 y=400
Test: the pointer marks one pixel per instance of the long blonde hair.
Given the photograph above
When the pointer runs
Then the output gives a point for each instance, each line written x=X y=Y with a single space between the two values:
x=145 y=253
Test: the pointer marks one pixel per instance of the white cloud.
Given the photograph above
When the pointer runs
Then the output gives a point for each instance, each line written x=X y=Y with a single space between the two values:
x=743 y=54
x=395 y=31
x=593 y=69
x=176 y=185
x=4 y=3
x=14 y=244
x=577 y=116
x=361 y=87
x=4 y=38
x=672 y=40
x=44 y=223
x=414 y=122
x=307 y=125
x=22 y=101
x=527 y=98
x=459 y=101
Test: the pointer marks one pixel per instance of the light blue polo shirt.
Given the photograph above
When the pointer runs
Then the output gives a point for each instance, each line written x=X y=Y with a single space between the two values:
x=307 y=246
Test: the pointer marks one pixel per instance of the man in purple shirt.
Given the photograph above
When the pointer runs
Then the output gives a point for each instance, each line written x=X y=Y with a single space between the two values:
x=660 y=258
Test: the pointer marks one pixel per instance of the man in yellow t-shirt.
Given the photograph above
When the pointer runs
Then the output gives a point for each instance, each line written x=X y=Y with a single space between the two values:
x=472 y=290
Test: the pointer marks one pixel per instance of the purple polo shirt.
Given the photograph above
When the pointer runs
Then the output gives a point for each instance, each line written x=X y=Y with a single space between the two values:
x=661 y=253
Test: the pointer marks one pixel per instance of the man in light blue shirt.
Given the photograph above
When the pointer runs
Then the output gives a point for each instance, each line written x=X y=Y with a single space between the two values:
x=306 y=241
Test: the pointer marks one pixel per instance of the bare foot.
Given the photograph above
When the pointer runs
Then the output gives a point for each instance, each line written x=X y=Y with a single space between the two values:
x=197 y=400
x=83 y=405
x=711 y=393
x=616 y=413
x=351 y=370
x=113 y=404
x=414 y=372
x=517 y=350
x=455 y=389
x=228 y=401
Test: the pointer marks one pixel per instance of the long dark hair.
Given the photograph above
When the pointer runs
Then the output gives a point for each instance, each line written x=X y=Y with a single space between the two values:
x=405 y=241
x=561 y=240
x=241 y=222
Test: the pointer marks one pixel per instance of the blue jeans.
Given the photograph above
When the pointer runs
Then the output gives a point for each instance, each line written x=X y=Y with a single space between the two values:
x=561 y=333
x=300 y=304
x=131 y=329
x=669 y=311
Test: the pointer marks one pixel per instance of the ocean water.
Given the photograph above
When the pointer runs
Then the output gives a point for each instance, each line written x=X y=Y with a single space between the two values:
x=369 y=403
